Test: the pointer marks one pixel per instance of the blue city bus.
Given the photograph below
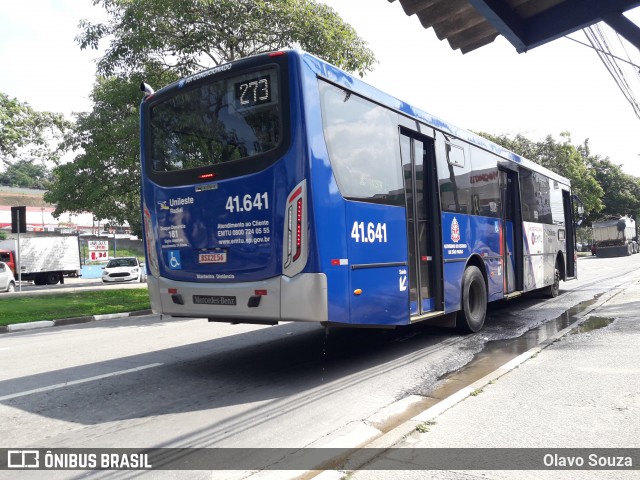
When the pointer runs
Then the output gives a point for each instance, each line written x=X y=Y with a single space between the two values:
x=281 y=188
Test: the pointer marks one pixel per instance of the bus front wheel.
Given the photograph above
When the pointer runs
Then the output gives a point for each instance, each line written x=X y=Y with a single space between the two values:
x=473 y=312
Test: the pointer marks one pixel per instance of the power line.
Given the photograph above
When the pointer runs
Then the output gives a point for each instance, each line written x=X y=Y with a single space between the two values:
x=598 y=42
x=603 y=52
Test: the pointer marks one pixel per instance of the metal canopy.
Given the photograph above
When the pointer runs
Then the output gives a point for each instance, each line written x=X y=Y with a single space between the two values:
x=470 y=24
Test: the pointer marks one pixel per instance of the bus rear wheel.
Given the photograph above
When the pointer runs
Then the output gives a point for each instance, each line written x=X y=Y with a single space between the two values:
x=471 y=316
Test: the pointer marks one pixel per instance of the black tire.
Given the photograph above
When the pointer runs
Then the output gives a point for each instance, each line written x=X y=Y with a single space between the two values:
x=553 y=290
x=471 y=316
x=11 y=287
x=52 y=278
x=40 y=280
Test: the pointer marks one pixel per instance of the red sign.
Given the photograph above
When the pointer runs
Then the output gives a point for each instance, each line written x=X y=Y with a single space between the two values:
x=93 y=256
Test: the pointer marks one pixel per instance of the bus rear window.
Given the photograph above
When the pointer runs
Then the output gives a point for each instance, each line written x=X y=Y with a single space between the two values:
x=215 y=123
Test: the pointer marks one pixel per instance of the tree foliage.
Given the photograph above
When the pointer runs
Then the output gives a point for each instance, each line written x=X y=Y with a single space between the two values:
x=621 y=190
x=562 y=158
x=26 y=173
x=159 y=41
x=22 y=127
x=28 y=140
x=104 y=177
x=188 y=35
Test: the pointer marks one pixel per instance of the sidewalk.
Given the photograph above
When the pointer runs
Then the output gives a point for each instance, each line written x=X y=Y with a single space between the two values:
x=581 y=391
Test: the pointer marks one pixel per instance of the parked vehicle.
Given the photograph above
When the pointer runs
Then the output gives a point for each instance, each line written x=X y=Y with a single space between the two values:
x=124 y=269
x=7 y=282
x=44 y=260
x=615 y=237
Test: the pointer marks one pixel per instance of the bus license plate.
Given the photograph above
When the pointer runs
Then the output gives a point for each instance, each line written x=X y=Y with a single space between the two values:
x=212 y=257
x=214 y=300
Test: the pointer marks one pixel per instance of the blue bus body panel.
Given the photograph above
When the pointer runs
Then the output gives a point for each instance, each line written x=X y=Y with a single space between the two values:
x=194 y=225
x=381 y=301
x=240 y=219
x=377 y=245
x=464 y=236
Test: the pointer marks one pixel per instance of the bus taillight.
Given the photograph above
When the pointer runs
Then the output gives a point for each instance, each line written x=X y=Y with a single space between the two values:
x=295 y=249
x=298 y=230
x=207 y=176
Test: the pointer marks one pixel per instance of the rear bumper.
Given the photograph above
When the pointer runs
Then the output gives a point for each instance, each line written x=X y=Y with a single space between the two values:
x=301 y=298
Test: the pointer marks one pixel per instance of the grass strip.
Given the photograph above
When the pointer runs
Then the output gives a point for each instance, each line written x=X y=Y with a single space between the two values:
x=32 y=308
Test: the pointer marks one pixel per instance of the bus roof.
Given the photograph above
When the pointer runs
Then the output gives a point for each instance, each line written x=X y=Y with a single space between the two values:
x=348 y=81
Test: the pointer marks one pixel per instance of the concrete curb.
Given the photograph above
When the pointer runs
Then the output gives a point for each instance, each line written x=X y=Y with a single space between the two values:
x=20 y=327
x=369 y=443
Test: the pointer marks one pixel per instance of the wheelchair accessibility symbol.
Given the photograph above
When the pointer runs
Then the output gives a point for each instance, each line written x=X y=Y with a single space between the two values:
x=174 y=260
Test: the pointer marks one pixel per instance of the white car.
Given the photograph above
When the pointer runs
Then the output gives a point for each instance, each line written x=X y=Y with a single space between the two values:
x=7 y=282
x=124 y=269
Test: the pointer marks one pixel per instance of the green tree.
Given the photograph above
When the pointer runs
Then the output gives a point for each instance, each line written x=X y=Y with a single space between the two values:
x=28 y=139
x=562 y=158
x=188 y=35
x=159 y=41
x=26 y=173
x=621 y=190
x=104 y=177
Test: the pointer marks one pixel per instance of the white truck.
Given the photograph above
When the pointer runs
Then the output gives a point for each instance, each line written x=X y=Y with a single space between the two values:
x=44 y=260
x=615 y=237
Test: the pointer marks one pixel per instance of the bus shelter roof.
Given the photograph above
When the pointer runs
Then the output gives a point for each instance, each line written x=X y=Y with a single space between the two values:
x=470 y=24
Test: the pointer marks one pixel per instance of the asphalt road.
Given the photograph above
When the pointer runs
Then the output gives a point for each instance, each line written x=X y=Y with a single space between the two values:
x=160 y=382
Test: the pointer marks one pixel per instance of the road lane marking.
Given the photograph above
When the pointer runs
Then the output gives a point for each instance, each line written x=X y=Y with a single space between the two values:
x=76 y=382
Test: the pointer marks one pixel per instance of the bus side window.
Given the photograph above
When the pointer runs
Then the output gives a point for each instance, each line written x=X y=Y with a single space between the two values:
x=484 y=181
x=454 y=171
x=362 y=142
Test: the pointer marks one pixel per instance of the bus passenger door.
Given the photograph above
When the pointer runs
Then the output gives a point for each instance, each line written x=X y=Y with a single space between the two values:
x=423 y=225
x=511 y=234
x=570 y=234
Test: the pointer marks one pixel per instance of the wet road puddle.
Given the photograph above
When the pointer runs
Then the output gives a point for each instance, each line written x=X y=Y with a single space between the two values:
x=497 y=353
x=593 y=323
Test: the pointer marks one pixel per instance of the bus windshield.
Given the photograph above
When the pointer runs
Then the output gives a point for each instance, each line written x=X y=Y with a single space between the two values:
x=231 y=119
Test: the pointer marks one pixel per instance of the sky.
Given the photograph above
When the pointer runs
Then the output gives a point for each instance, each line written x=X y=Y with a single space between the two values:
x=560 y=86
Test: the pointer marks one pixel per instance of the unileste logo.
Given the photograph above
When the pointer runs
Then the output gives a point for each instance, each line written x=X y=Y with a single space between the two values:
x=175 y=205
x=174 y=202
